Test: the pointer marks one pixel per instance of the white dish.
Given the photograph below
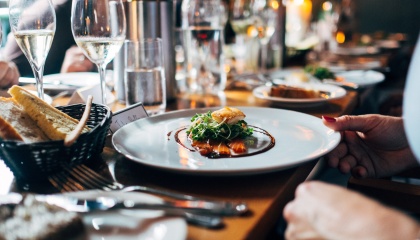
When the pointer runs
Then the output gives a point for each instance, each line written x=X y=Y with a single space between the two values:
x=66 y=81
x=362 y=78
x=335 y=92
x=47 y=98
x=124 y=224
x=298 y=138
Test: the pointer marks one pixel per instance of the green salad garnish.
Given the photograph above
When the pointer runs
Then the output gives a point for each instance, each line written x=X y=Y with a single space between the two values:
x=204 y=127
x=319 y=72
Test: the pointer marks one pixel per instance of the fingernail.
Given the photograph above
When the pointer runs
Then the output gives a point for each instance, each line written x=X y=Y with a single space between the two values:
x=329 y=119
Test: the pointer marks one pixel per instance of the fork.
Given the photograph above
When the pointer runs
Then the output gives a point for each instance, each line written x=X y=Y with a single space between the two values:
x=82 y=177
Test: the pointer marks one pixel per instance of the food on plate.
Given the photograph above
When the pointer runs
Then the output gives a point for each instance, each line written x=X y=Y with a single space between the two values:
x=285 y=91
x=15 y=123
x=216 y=133
x=53 y=123
x=319 y=72
x=32 y=219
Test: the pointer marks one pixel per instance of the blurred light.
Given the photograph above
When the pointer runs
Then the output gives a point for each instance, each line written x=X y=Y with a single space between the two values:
x=340 y=37
x=327 y=6
x=275 y=5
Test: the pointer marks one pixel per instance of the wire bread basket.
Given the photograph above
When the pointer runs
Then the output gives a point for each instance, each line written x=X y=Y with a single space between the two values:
x=31 y=161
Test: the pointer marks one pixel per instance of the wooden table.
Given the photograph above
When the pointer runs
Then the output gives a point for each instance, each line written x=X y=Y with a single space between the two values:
x=266 y=194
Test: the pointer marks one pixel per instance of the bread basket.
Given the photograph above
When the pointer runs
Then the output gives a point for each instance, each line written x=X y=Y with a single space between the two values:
x=31 y=161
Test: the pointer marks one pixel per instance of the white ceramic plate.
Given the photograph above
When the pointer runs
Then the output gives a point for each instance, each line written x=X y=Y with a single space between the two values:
x=131 y=224
x=124 y=224
x=66 y=81
x=335 y=92
x=362 y=78
x=47 y=98
x=298 y=138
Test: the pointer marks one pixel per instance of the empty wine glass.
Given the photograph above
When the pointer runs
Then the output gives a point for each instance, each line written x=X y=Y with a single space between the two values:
x=99 y=28
x=33 y=25
x=263 y=25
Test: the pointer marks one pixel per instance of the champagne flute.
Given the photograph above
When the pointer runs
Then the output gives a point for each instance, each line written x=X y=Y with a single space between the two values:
x=263 y=26
x=33 y=25
x=99 y=29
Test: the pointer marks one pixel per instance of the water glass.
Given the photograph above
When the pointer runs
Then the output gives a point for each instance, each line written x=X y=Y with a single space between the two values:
x=144 y=75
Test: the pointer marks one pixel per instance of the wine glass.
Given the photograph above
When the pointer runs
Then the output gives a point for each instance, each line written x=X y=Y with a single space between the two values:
x=99 y=29
x=263 y=26
x=33 y=25
x=202 y=23
x=240 y=16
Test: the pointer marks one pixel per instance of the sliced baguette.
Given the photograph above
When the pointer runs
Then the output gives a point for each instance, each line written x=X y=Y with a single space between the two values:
x=15 y=123
x=54 y=123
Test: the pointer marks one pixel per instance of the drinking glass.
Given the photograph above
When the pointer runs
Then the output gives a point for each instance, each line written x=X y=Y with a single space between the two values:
x=240 y=16
x=202 y=25
x=33 y=25
x=263 y=25
x=99 y=29
x=144 y=78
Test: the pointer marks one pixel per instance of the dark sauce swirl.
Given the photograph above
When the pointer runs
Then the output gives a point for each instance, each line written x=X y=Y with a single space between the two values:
x=256 y=129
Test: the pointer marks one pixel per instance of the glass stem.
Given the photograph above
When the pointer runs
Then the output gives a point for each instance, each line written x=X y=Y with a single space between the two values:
x=38 y=73
x=263 y=57
x=102 y=69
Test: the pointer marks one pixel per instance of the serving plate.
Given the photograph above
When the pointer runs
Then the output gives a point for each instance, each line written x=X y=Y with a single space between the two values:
x=363 y=78
x=298 y=138
x=65 y=81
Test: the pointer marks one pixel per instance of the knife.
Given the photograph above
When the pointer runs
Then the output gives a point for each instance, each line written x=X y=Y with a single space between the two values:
x=108 y=203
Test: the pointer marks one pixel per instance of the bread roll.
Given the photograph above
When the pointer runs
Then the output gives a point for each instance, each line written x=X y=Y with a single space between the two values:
x=16 y=124
x=54 y=123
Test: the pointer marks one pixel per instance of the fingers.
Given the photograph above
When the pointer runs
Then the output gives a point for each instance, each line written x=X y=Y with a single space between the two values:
x=361 y=123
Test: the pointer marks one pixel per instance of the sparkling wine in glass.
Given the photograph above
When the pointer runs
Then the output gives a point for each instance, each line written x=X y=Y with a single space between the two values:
x=99 y=29
x=263 y=26
x=33 y=25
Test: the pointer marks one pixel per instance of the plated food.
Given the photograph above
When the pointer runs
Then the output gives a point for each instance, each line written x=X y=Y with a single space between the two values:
x=285 y=91
x=156 y=142
x=220 y=133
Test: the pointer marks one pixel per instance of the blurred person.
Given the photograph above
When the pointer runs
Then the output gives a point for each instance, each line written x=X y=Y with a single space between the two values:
x=75 y=61
x=9 y=74
x=62 y=56
x=371 y=146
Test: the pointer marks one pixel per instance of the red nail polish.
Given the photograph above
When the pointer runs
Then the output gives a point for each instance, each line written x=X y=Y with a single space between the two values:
x=329 y=119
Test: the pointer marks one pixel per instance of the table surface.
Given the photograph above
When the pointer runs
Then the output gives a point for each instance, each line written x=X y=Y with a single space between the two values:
x=266 y=194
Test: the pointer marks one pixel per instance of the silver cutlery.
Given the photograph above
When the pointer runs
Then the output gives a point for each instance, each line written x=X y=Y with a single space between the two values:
x=81 y=178
x=81 y=205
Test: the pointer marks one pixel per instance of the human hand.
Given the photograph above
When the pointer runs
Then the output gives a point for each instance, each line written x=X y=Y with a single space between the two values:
x=9 y=74
x=325 y=211
x=371 y=146
x=75 y=61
